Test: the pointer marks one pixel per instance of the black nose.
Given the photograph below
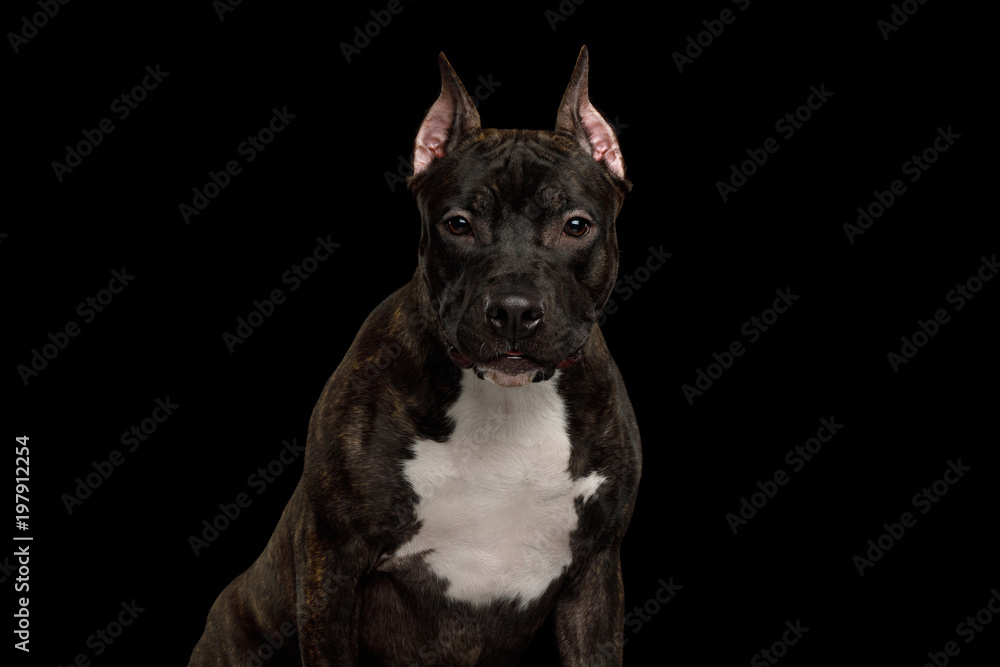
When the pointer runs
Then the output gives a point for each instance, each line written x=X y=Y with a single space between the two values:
x=514 y=315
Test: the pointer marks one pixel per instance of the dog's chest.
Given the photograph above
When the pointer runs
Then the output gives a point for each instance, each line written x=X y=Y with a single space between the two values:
x=496 y=500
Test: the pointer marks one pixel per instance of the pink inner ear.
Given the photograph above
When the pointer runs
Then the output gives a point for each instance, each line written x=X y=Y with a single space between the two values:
x=431 y=138
x=600 y=148
x=603 y=143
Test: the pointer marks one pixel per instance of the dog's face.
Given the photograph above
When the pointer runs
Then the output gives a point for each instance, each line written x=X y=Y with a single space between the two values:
x=518 y=248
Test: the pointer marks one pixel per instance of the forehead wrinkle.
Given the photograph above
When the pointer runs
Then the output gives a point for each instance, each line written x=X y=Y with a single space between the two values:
x=525 y=190
x=482 y=201
x=551 y=197
x=528 y=175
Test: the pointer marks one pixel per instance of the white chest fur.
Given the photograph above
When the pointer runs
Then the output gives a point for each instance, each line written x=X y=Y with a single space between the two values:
x=496 y=501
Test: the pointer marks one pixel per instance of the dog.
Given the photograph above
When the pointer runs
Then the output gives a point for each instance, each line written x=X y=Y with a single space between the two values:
x=481 y=479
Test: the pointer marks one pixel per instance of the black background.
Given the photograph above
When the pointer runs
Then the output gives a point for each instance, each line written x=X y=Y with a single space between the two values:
x=325 y=176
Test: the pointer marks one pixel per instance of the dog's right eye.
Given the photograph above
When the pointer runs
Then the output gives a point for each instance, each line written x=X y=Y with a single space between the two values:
x=458 y=225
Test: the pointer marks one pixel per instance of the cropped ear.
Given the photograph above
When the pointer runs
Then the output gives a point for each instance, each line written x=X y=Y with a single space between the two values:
x=448 y=122
x=578 y=118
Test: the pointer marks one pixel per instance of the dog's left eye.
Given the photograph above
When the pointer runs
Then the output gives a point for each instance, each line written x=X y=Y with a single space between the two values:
x=458 y=225
x=576 y=227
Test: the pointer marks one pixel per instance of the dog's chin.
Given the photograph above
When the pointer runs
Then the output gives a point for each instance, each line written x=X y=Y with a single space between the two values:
x=513 y=371
x=506 y=379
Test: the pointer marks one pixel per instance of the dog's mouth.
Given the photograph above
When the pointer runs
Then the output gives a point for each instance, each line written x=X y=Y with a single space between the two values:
x=513 y=368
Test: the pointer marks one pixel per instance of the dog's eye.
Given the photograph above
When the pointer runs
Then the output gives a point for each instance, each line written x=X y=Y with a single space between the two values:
x=458 y=225
x=577 y=227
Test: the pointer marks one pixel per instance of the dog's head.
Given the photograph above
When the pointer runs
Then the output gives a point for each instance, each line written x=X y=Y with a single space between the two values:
x=518 y=251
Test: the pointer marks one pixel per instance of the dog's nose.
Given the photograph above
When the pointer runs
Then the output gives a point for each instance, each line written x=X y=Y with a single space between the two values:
x=514 y=315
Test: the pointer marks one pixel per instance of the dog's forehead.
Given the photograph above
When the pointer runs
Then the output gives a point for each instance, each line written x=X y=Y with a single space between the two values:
x=498 y=197
x=519 y=170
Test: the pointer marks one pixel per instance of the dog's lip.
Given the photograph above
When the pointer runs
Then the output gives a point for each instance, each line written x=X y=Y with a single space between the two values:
x=512 y=360
x=571 y=360
x=460 y=359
